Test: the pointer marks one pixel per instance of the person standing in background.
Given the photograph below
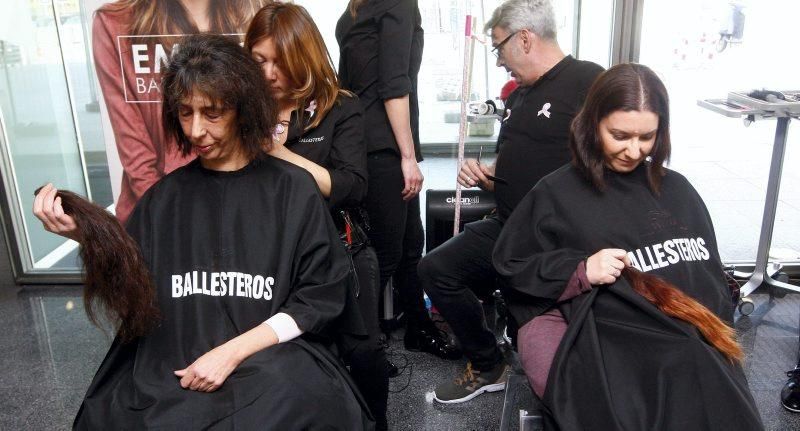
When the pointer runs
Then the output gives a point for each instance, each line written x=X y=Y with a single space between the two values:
x=128 y=60
x=380 y=43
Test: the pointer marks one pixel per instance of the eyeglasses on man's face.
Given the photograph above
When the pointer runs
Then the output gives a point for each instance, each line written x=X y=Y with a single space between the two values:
x=498 y=49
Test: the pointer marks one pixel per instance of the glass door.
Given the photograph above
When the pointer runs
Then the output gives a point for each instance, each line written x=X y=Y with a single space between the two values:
x=595 y=28
x=704 y=49
x=40 y=138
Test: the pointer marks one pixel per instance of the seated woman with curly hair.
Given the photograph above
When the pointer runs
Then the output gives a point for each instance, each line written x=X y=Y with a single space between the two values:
x=247 y=268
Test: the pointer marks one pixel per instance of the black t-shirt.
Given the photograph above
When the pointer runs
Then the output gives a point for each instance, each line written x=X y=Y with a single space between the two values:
x=337 y=144
x=380 y=52
x=534 y=137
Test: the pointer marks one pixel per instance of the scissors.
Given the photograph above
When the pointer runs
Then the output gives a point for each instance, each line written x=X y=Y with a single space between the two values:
x=491 y=177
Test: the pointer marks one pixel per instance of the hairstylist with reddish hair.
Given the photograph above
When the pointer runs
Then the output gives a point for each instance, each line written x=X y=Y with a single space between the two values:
x=321 y=130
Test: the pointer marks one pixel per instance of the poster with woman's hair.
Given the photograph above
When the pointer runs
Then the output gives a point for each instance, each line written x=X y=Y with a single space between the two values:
x=132 y=41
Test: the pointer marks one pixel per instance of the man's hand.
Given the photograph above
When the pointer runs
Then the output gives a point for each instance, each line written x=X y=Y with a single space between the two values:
x=474 y=173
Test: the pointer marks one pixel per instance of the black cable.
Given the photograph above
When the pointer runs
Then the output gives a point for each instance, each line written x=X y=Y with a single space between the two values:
x=393 y=355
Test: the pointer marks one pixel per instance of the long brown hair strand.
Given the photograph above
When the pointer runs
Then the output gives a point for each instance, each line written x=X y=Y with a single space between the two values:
x=116 y=280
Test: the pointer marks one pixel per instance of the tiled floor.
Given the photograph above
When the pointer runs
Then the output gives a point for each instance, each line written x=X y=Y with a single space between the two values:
x=50 y=352
x=770 y=339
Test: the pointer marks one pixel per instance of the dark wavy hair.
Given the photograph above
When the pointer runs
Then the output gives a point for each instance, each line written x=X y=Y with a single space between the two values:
x=117 y=283
x=221 y=70
x=624 y=87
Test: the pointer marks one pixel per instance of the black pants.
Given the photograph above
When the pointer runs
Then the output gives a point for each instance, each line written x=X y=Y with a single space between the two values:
x=366 y=357
x=454 y=275
x=396 y=233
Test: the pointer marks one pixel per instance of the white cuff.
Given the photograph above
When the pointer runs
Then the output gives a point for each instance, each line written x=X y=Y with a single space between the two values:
x=284 y=326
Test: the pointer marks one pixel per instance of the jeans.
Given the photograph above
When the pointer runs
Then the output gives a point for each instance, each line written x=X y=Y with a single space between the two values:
x=454 y=275
x=396 y=233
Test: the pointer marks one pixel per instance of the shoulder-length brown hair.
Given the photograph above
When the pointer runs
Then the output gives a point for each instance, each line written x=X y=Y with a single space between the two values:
x=624 y=87
x=165 y=17
x=220 y=69
x=303 y=56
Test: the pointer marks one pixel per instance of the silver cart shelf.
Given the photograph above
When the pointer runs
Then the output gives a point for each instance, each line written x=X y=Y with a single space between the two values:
x=742 y=105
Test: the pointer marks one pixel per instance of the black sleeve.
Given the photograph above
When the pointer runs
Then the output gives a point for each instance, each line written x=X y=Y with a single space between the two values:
x=395 y=36
x=528 y=255
x=321 y=272
x=348 y=157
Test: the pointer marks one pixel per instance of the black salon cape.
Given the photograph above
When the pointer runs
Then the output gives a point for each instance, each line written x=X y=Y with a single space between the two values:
x=622 y=363
x=264 y=220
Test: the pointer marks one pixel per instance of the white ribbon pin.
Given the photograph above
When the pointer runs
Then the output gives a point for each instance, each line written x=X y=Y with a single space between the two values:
x=545 y=110
x=312 y=107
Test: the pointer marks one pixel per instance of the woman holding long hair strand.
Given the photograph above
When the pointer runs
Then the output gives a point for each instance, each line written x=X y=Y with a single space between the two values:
x=250 y=276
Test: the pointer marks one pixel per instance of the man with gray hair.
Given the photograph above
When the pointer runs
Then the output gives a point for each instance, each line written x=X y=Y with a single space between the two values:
x=533 y=142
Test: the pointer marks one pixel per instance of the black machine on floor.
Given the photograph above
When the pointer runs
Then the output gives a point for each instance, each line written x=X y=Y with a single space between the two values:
x=440 y=213
x=752 y=106
x=439 y=216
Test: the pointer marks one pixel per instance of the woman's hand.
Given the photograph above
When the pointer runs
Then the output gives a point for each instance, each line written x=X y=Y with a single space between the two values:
x=47 y=208
x=210 y=371
x=412 y=177
x=605 y=266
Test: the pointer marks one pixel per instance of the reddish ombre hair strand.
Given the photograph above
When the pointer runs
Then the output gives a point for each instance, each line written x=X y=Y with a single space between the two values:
x=674 y=303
